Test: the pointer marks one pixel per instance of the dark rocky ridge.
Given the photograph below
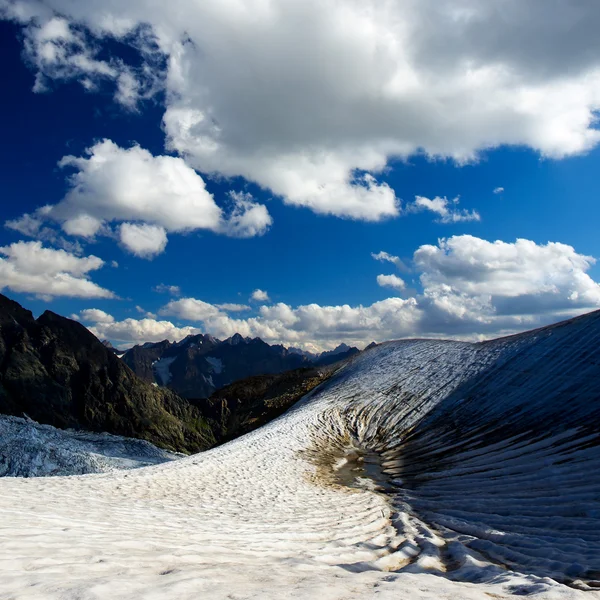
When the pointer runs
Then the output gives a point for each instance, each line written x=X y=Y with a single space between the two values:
x=199 y=365
x=56 y=372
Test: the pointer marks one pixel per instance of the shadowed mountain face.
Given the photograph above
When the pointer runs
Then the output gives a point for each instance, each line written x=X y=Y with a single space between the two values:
x=55 y=371
x=200 y=364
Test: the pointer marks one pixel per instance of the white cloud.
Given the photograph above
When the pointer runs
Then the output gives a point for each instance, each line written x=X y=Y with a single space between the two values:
x=95 y=315
x=159 y=194
x=173 y=290
x=248 y=218
x=392 y=281
x=385 y=257
x=129 y=332
x=508 y=274
x=190 y=309
x=259 y=296
x=145 y=241
x=129 y=184
x=31 y=268
x=82 y=225
x=231 y=307
x=444 y=209
x=312 y=99
x=27 y=224
x=498 y=190
x=60 y=52
x=471 y=288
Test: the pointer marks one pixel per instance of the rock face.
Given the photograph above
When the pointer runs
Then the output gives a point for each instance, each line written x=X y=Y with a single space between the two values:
x=56 y=372
x=200 y=364
x=342 y=352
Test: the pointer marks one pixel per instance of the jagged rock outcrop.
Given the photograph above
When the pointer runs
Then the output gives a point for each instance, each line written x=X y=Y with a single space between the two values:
x=200 y=364
x=342 y=352
x=56 y=372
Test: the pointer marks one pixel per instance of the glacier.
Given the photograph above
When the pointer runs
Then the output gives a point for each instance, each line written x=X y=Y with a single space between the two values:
x=421 y=469
x=30 y=449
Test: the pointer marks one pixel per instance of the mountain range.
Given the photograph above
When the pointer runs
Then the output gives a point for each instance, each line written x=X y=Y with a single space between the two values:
x=198 y=365
x=55 y=371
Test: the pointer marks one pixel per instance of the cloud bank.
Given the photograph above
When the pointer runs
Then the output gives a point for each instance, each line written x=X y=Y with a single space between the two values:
x=148 y=195
x=472 y=288
x=311 y=100
x=29 y=267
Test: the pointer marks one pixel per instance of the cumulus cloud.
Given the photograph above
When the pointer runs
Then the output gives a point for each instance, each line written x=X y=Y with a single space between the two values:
x=247 y=218
x=146 y=313
x=129 y=332
x=259 y=296
x=27 y=224
x=95 y=315
x=145 y=241
x=150 y=195
x=232 y=307
x=385 y=257
x=112 y=183
x=31 y=268
x=498 y=190
x=471 y=287
x=60 y=51
x=161 y=288
x=190 y=309
x=447 y=210
x=392 y=281
x=312 y=99
x=521 y=278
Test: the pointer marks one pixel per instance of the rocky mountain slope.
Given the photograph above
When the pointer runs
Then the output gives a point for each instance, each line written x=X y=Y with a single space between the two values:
x=200 y=364
x=56 y=372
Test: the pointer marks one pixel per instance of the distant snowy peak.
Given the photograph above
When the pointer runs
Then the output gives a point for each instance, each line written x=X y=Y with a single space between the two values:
x=198 y=365
x=339 y=353
x=310 y=355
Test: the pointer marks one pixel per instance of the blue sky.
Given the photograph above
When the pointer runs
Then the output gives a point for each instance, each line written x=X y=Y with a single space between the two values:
x=308 y=244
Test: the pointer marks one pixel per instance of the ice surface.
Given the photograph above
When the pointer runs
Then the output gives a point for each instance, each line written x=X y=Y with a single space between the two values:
x=215 y=363
x=162 y=371
x=28 y=449
x=423 y=469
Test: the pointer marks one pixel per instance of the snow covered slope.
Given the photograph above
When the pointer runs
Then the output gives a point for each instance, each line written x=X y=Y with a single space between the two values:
x=423 y=469
x=28 y=449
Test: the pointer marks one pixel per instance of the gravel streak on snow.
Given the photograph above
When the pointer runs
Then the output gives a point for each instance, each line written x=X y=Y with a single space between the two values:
x=487 y=484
